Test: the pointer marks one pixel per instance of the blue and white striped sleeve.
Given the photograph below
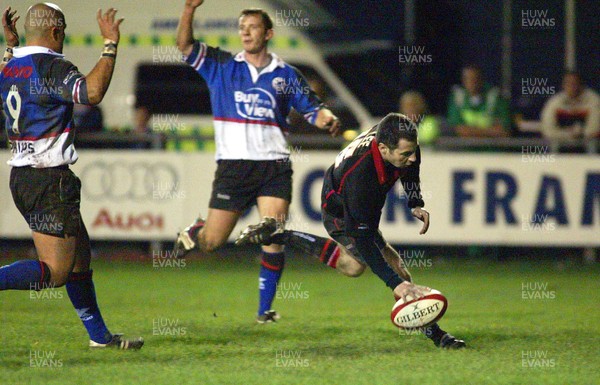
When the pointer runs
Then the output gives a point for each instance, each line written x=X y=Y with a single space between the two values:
x=205 y=59
x=72 y=86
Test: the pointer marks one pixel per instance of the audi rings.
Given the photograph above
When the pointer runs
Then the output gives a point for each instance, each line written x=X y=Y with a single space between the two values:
x=120 y=180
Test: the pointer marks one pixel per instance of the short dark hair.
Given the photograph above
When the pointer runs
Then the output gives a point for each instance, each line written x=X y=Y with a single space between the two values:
x=394 y=127
x=267 y=21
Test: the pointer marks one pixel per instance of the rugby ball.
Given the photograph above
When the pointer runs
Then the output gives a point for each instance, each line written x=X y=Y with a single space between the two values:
x=421 y=312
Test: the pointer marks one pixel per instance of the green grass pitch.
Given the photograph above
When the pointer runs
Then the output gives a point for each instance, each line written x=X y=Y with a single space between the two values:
x=524 y=324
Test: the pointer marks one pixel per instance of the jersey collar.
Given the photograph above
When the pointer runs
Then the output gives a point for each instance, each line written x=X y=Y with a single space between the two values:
x=379 y=162
x=33 y=49
x=276 y=61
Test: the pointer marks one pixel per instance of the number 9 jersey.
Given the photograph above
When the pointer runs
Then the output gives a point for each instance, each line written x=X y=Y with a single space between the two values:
x=39 y=88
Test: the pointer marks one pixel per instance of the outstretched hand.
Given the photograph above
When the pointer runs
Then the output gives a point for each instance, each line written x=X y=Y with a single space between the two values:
x=407 y=289
x=109 y=28
x=423 y=216
x=9 y=23
x=327 y=120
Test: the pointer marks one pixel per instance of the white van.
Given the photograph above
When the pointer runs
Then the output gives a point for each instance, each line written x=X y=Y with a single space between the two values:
x=148 y=40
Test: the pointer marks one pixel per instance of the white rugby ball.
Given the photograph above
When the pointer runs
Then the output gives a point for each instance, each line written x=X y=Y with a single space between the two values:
x=421 y=312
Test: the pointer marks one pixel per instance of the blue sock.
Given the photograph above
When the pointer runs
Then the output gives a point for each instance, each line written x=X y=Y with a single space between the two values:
x=270 y=272
x=27 y=274
x=80 y=289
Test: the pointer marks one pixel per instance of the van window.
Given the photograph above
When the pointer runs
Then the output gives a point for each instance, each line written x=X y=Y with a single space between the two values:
x=171 y=89
x=327 y=96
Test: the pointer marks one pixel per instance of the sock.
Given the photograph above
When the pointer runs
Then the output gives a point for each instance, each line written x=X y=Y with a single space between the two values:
x=270 y=272
x=434 y=333
x=325 y=249
x=80 y=289
x=25 y=275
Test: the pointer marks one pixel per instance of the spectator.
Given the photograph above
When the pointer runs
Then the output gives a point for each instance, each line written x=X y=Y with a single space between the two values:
x=413 y=105
x=476 y=109
x=573 y=113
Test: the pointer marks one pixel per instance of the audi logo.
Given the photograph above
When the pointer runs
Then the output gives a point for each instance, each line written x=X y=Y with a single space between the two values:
x=120 y=181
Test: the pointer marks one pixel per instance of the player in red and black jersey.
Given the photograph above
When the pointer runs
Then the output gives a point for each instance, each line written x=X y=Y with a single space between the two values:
x=354 y=193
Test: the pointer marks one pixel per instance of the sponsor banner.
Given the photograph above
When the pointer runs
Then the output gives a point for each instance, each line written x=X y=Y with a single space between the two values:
x=531 y=198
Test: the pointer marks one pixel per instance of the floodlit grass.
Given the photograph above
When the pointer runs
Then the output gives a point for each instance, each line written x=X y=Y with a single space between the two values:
x=523 y=323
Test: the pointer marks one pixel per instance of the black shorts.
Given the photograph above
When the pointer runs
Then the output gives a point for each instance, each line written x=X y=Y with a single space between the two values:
x=48 y=199
x=238 y=183
x=336 y=228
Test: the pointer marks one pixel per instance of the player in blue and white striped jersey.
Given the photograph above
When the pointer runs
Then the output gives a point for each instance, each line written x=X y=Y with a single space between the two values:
x=251 y=94
x=39 y=88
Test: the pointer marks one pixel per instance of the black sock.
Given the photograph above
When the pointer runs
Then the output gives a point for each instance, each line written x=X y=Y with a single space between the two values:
x=325 y=249
x=434 y=333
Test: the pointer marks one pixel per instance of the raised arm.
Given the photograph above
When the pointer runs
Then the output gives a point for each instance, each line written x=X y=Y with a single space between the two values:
x=99 y=78
x=185 y=31
x=9 y=23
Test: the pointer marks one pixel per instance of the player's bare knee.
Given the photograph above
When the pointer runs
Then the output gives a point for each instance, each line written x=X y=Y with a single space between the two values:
x=210 y=244
x=350 y=267
x=354 y=271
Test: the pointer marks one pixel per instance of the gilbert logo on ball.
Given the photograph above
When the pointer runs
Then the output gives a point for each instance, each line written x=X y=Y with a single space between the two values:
x=420 y=312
